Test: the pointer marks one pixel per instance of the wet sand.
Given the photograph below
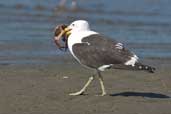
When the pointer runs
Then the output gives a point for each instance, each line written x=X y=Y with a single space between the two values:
x=44 y=89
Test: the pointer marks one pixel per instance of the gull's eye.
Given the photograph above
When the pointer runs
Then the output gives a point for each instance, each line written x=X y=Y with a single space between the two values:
x=73 y=24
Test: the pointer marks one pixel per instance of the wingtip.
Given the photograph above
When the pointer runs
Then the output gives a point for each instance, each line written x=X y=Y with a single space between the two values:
x=152 y=70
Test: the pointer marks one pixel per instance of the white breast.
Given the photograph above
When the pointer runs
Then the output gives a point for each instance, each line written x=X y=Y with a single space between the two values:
x=76 y=37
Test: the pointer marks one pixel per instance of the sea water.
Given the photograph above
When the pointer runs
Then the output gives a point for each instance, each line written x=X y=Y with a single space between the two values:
x=27 y=27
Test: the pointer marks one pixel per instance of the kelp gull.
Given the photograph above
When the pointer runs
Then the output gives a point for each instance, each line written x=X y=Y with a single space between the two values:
x=99 y=52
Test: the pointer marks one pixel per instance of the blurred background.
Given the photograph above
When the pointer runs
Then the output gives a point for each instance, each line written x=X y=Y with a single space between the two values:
x=27 y=26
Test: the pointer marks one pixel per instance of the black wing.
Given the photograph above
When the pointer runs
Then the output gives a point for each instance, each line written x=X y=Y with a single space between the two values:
x=97 y=50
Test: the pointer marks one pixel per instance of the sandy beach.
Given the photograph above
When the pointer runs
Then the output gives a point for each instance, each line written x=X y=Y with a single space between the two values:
x=44 y=89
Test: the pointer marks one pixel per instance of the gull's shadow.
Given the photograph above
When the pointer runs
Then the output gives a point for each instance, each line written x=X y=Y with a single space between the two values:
x=141 y=94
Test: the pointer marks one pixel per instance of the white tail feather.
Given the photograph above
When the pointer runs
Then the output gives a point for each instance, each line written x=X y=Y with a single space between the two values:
x=132 y=61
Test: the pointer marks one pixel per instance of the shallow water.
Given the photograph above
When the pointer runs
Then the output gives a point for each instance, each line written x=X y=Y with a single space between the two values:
x=27 y=26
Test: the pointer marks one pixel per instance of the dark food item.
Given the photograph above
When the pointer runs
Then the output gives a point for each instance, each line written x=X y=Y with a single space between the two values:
x=60 y=34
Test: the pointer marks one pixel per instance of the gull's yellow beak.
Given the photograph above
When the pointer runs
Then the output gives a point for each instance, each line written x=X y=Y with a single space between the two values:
x=67 y=31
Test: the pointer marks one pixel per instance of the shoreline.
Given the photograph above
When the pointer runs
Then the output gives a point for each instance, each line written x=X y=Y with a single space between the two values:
x=67 y=58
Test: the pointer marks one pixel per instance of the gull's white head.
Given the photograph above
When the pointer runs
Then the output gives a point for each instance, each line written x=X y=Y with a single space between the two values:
x=79 y=25
x=63 y=32
x=76 y=27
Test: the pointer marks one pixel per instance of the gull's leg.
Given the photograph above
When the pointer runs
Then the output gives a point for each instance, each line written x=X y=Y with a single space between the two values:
x=101 y=83
x=84 y=88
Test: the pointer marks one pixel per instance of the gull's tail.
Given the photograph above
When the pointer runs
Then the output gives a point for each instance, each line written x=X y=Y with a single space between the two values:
x=137 y=66
x=140 y=66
